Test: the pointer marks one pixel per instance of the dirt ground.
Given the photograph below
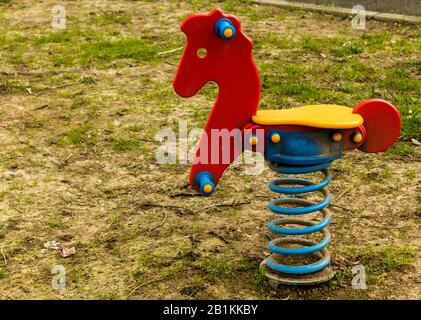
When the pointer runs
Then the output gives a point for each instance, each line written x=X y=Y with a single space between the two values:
x=80 y=109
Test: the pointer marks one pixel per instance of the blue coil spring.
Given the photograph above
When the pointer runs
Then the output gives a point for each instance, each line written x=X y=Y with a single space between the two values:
x=293 y=236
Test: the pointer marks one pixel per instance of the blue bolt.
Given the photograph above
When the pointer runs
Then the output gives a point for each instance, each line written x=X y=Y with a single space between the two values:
x=204 y=180
x=225 y=29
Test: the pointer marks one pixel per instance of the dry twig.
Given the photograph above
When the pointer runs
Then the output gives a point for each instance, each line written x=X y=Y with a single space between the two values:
x=340 y=207
x=185 y=194
x=37 y=73
x=162 y=222
x=63 y=85
x=41 y=107
x=4 y=256
x=233 y=203
x=150 y=204
x=149 y=282
x=342 y=194
x=170 y=51
x=220 y=237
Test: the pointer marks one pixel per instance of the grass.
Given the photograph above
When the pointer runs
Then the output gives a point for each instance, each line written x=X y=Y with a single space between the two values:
x=139 y=50
x=77 y=135
x=379 y=176
x=195 y=289
x=3 y=194
x=402 y=149
x=3 y=273
x=82 y=47
x=411 y=174
x=302 y=80
x=76 y=275
x=88 y=80
x=337 y=46
x=111 y=18
x=78 y=153
x=215 y=268
x=385 y=258
x=234 y=274
x=54 y=222
x=125 y=144
x=404 y=231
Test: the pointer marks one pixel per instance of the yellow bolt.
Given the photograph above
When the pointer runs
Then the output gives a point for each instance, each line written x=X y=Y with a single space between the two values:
x=208 y=188
x=357 y=138
x=254 y=140
x=228 y=33
x=337 y=137
x=275 y=138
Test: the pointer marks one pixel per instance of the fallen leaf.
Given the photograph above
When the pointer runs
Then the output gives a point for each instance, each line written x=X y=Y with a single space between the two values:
x=54 y=245
x=416 y=142
x=67 y=252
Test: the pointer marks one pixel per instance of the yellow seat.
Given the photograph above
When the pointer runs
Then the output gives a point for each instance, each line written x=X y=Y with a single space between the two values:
x=319 y=116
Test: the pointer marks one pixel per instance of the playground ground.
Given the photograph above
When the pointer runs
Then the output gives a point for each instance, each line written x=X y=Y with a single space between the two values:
x=80 y=109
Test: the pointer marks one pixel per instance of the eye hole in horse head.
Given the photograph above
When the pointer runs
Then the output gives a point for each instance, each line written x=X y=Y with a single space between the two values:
x=202 y=53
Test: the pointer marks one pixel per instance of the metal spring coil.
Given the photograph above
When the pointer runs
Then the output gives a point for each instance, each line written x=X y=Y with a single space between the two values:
x=296 y=186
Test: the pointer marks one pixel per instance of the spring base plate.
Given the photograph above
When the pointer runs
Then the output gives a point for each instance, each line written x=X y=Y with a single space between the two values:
x=277 y=278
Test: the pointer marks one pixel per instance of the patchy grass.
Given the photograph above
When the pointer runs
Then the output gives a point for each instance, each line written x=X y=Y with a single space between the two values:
x=402 y=149
x=106 y=51
x=386 y=258
x=88 y=80
x=77 y=135
x=80 y=111
x=3 y=194
x=124 y=144
x=215 y=268
x=111 y=18
x=3 y=273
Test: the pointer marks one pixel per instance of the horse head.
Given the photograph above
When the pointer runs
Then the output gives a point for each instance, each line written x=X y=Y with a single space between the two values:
x=218 y=50
x=214 y=42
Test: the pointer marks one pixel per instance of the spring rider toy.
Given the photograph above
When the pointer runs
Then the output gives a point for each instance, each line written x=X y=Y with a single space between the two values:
x=299 y=141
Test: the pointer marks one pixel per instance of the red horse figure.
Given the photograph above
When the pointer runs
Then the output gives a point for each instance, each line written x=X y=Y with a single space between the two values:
x=294 y=141
x=228 y=61
x=232 y=68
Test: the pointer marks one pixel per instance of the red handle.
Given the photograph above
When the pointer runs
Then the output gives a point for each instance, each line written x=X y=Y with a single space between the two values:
x=382 y=123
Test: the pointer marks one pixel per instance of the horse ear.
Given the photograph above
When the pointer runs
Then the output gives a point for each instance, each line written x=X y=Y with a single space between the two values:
x=216 y=12
x=184 y=25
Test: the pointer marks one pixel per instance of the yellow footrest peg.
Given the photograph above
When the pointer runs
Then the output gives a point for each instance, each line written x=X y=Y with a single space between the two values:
x=318 y=116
